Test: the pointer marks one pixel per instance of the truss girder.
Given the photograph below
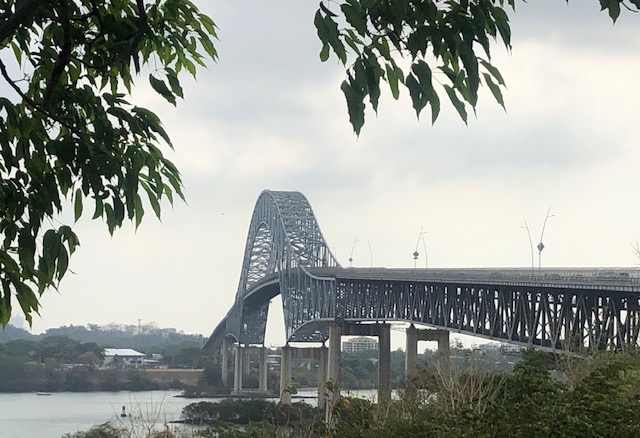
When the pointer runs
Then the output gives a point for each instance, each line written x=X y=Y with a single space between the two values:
x=283 y=239
x=540 y=316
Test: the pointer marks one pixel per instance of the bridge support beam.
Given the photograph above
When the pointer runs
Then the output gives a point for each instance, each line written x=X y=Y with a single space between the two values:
x=262 y=370
x=323 y=354
x=411 y=356
x=224 y=359
x=285 y=375
x=334 y=362
x=444 y=357
x=238 y=368
x=384 y=362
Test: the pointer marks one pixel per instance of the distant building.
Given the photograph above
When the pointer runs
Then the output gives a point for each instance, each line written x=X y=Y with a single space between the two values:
x=361 y=343
x=123 y=356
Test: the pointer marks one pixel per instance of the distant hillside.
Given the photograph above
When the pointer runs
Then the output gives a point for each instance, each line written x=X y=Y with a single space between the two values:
x=144 y=337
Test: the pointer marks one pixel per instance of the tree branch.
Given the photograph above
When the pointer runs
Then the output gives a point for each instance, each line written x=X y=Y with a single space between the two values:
x=64 y=57
x=142 y=28
x=24 y=12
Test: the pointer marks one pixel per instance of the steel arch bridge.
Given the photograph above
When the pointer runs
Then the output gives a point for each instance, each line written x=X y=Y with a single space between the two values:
x=286 y=254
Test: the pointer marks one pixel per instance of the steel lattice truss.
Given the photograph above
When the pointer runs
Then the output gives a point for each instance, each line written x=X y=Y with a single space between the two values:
x=284 y=240
x=286 y=254
x=553 y=317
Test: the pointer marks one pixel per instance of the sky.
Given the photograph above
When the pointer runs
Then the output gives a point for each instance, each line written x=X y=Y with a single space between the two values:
x=270 y=115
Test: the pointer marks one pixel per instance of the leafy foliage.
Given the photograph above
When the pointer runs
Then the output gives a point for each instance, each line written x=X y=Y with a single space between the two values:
x=68 y=131
x=418 y=44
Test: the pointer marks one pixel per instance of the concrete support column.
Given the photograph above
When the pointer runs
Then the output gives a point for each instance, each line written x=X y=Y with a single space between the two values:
x=444 y=354
x=246 y=360
x=285 y=375
x=333 y=372
x=237 y=369
x=335 y=335
x=384 y=362
x=225 y=362
x=322 y=376
x=262 y=370
x=411 y=358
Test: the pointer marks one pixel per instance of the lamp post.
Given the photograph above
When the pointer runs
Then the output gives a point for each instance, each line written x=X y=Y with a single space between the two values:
x=541 y=245
x=526 y=227
x=416 y=254
x=352 y=248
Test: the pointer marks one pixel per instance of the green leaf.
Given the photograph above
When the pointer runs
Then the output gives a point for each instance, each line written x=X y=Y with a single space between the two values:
x=355 y=106
x=457 y=103
x=416 y=92
x=139 y=209
x=355 y=17
x=174 y=82
x=77 y=205
x=326 y=10
x=613 y=7
x=434 y=100
x=63 y=262
x=161 y=87
x=495 y=90
x=153 y=198
x=494 y=71
x=324 y=53
x=99 y=209
x=392 y=80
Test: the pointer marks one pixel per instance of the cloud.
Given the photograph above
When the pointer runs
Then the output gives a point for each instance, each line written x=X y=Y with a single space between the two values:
x=271 y=115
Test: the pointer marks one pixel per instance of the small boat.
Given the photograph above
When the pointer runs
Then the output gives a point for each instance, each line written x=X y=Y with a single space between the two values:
x=43 y=393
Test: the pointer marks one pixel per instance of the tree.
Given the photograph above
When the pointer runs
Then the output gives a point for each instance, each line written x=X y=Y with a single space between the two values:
x=417 y=44
x=68 y=131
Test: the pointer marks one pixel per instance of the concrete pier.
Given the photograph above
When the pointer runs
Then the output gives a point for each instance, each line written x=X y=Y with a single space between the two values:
x=224 y=361
x=237 y=369
x=285 y=375
x=444 y=355
x=384 y=362
x=262 y=370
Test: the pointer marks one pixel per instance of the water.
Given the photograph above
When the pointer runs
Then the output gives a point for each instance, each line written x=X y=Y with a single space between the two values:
x=31 y=415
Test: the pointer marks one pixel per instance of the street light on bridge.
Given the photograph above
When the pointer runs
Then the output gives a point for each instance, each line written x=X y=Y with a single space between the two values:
x=541 y=245
x=526 y=227
x=370 y=253
x=416 y=254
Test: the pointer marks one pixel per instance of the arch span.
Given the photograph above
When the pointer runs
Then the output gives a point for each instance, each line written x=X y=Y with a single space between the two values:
x=284 y=240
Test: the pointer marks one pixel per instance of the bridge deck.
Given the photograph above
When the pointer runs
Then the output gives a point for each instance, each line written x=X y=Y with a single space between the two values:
x=622 y=279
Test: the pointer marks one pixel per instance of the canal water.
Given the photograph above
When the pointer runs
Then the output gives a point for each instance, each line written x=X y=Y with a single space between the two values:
x=52 y=416
x=32 y=415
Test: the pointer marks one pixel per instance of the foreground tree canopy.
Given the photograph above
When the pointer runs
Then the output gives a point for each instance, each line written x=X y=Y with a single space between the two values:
x=68 y=130
x=417 y=44
x=69 y=134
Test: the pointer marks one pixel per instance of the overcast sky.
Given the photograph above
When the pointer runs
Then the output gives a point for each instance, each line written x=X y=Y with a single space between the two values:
x=270 y=115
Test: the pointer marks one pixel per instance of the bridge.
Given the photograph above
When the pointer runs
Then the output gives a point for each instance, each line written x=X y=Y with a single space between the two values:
x=286 y=255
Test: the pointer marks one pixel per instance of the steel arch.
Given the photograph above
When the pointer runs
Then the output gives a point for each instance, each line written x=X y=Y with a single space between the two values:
x=283 y=239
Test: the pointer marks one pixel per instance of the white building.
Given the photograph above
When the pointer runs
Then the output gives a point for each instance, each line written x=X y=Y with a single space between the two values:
x=123 y=356
x=361 y=343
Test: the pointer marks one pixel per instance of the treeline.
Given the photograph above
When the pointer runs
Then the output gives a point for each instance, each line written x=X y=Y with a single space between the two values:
x=145 y=337
x=52 y=362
